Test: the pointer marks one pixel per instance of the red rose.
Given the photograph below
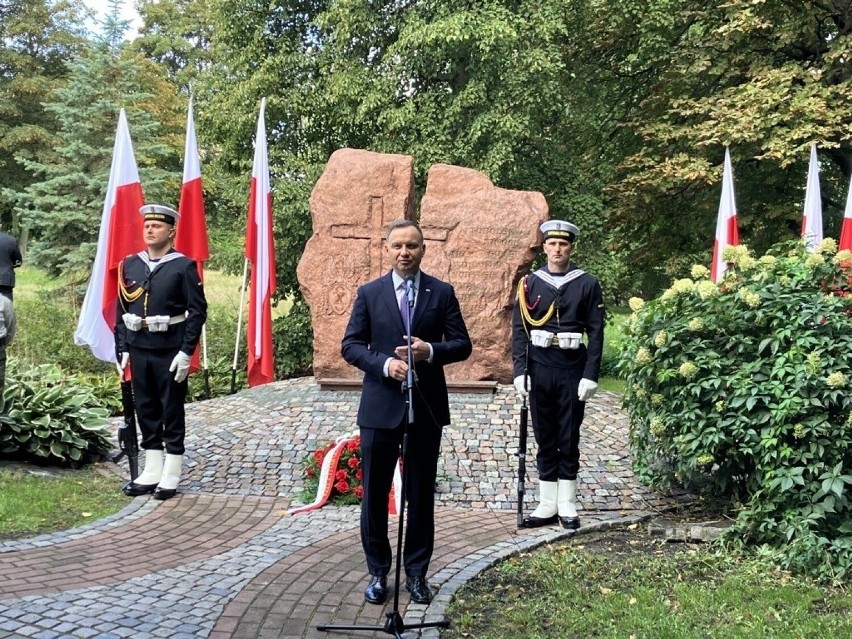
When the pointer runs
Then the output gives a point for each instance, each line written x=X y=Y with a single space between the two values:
x=352 y=446
x=359 y=475
x=342 y=487
x=318 y=455
x=310 y=472
x=359 y=492
x=353 y=462
x=340 y=475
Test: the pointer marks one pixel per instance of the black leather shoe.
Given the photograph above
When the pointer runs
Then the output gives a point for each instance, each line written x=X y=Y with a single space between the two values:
x=164 y=493
x=377 y=590
x=571 y=523
x=538 y=522
x=419 y=588
x=135 y=490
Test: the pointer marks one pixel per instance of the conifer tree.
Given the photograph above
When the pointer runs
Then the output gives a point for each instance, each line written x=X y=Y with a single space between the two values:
x=36 y=39
x=63 y=208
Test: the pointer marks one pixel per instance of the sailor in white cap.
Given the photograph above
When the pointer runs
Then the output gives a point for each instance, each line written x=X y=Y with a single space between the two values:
x=161 y=310
x=555 y=307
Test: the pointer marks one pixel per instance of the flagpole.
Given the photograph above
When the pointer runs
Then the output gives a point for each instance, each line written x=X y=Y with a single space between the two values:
x=239 y=326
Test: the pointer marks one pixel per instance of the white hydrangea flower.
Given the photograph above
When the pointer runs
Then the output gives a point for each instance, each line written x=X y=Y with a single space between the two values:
x=842 y=257
x=835 y=380
x=688 y=370
x=814 y=259
x=706 y=289
x=828 y=245
x=699 y=271
x=684 y=285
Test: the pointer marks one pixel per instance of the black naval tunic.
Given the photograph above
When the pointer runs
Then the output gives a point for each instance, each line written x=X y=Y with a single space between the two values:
x=555 y=373
x=169 y=287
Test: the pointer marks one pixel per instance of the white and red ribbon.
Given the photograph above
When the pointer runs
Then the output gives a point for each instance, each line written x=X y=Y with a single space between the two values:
x=326 y=479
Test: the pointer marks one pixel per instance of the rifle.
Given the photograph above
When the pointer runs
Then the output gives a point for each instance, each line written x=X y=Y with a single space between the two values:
x=522 y=444
x=522 y=461
x=128 y=444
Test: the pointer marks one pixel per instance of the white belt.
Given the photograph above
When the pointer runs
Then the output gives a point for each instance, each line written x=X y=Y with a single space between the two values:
x=154 y=323
x=565 y=341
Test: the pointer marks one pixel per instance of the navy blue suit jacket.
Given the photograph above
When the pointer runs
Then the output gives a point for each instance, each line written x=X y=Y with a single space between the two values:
x=375 y=329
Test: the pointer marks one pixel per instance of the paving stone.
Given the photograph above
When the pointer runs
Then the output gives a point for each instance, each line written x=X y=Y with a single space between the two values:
x=224 y=559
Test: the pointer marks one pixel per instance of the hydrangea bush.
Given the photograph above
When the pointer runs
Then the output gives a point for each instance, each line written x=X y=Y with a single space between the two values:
x=742 y=392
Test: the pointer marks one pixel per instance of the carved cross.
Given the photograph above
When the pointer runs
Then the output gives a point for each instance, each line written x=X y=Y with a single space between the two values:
x=375 y=233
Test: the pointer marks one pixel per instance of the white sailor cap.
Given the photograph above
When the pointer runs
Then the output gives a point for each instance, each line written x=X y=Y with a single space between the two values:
x=159 y=213
x=559 y=229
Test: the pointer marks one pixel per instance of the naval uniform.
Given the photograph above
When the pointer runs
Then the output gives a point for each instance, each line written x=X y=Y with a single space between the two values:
x=171 y=289
x=575 y=303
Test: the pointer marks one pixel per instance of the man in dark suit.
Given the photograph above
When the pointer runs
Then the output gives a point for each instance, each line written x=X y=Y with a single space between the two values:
x=10 y=259
x=376 y=342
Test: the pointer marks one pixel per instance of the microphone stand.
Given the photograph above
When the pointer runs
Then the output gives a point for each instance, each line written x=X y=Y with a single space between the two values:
x=394 y=625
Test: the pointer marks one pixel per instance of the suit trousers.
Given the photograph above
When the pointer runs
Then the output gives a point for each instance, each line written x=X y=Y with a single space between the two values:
x=159 y=400
x=557 y=414
x=380 y=449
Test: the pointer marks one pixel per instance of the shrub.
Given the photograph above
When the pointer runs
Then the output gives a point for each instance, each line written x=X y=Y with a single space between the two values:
x=616 y=321
x=46 y=325
x=104 y=387
x=741 y=391
x=50 y=419
x=293 y=342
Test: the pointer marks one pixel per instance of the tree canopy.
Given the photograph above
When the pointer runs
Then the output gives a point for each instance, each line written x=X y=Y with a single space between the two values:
x=617 y=110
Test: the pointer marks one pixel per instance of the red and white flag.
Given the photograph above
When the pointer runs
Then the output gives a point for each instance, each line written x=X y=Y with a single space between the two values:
x=812 y=219
x=120 y=235
x=261 y=253
x=191 y=234
x=727 y=232
x=846 y=229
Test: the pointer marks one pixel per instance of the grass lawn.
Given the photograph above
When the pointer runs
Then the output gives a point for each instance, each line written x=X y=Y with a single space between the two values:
x=35 y=500
x=622 y=584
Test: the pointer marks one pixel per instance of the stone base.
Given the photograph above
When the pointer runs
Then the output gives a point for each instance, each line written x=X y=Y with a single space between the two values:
x=461 y=387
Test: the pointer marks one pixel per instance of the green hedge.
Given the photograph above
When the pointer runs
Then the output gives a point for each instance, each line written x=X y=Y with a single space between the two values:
x=741 y=392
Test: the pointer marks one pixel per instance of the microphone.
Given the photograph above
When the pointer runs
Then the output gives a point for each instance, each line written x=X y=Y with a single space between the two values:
x=409 y=287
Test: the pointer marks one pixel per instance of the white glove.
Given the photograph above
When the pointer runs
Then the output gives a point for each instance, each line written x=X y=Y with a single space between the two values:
x=586 y=389
x=122 y=363
x=180 y=364
x=522 y=386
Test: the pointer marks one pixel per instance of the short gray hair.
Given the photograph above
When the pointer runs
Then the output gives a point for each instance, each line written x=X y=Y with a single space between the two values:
x=401 y=224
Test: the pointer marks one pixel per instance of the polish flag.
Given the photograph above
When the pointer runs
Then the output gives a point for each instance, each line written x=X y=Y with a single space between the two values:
x=261 y=253
x=120 y=235
x=846 y=230
x=191 y=234
x=727 y=233
x=812 y=219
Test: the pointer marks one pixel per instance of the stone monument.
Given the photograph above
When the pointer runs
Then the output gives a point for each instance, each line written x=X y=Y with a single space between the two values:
x=480 y=238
